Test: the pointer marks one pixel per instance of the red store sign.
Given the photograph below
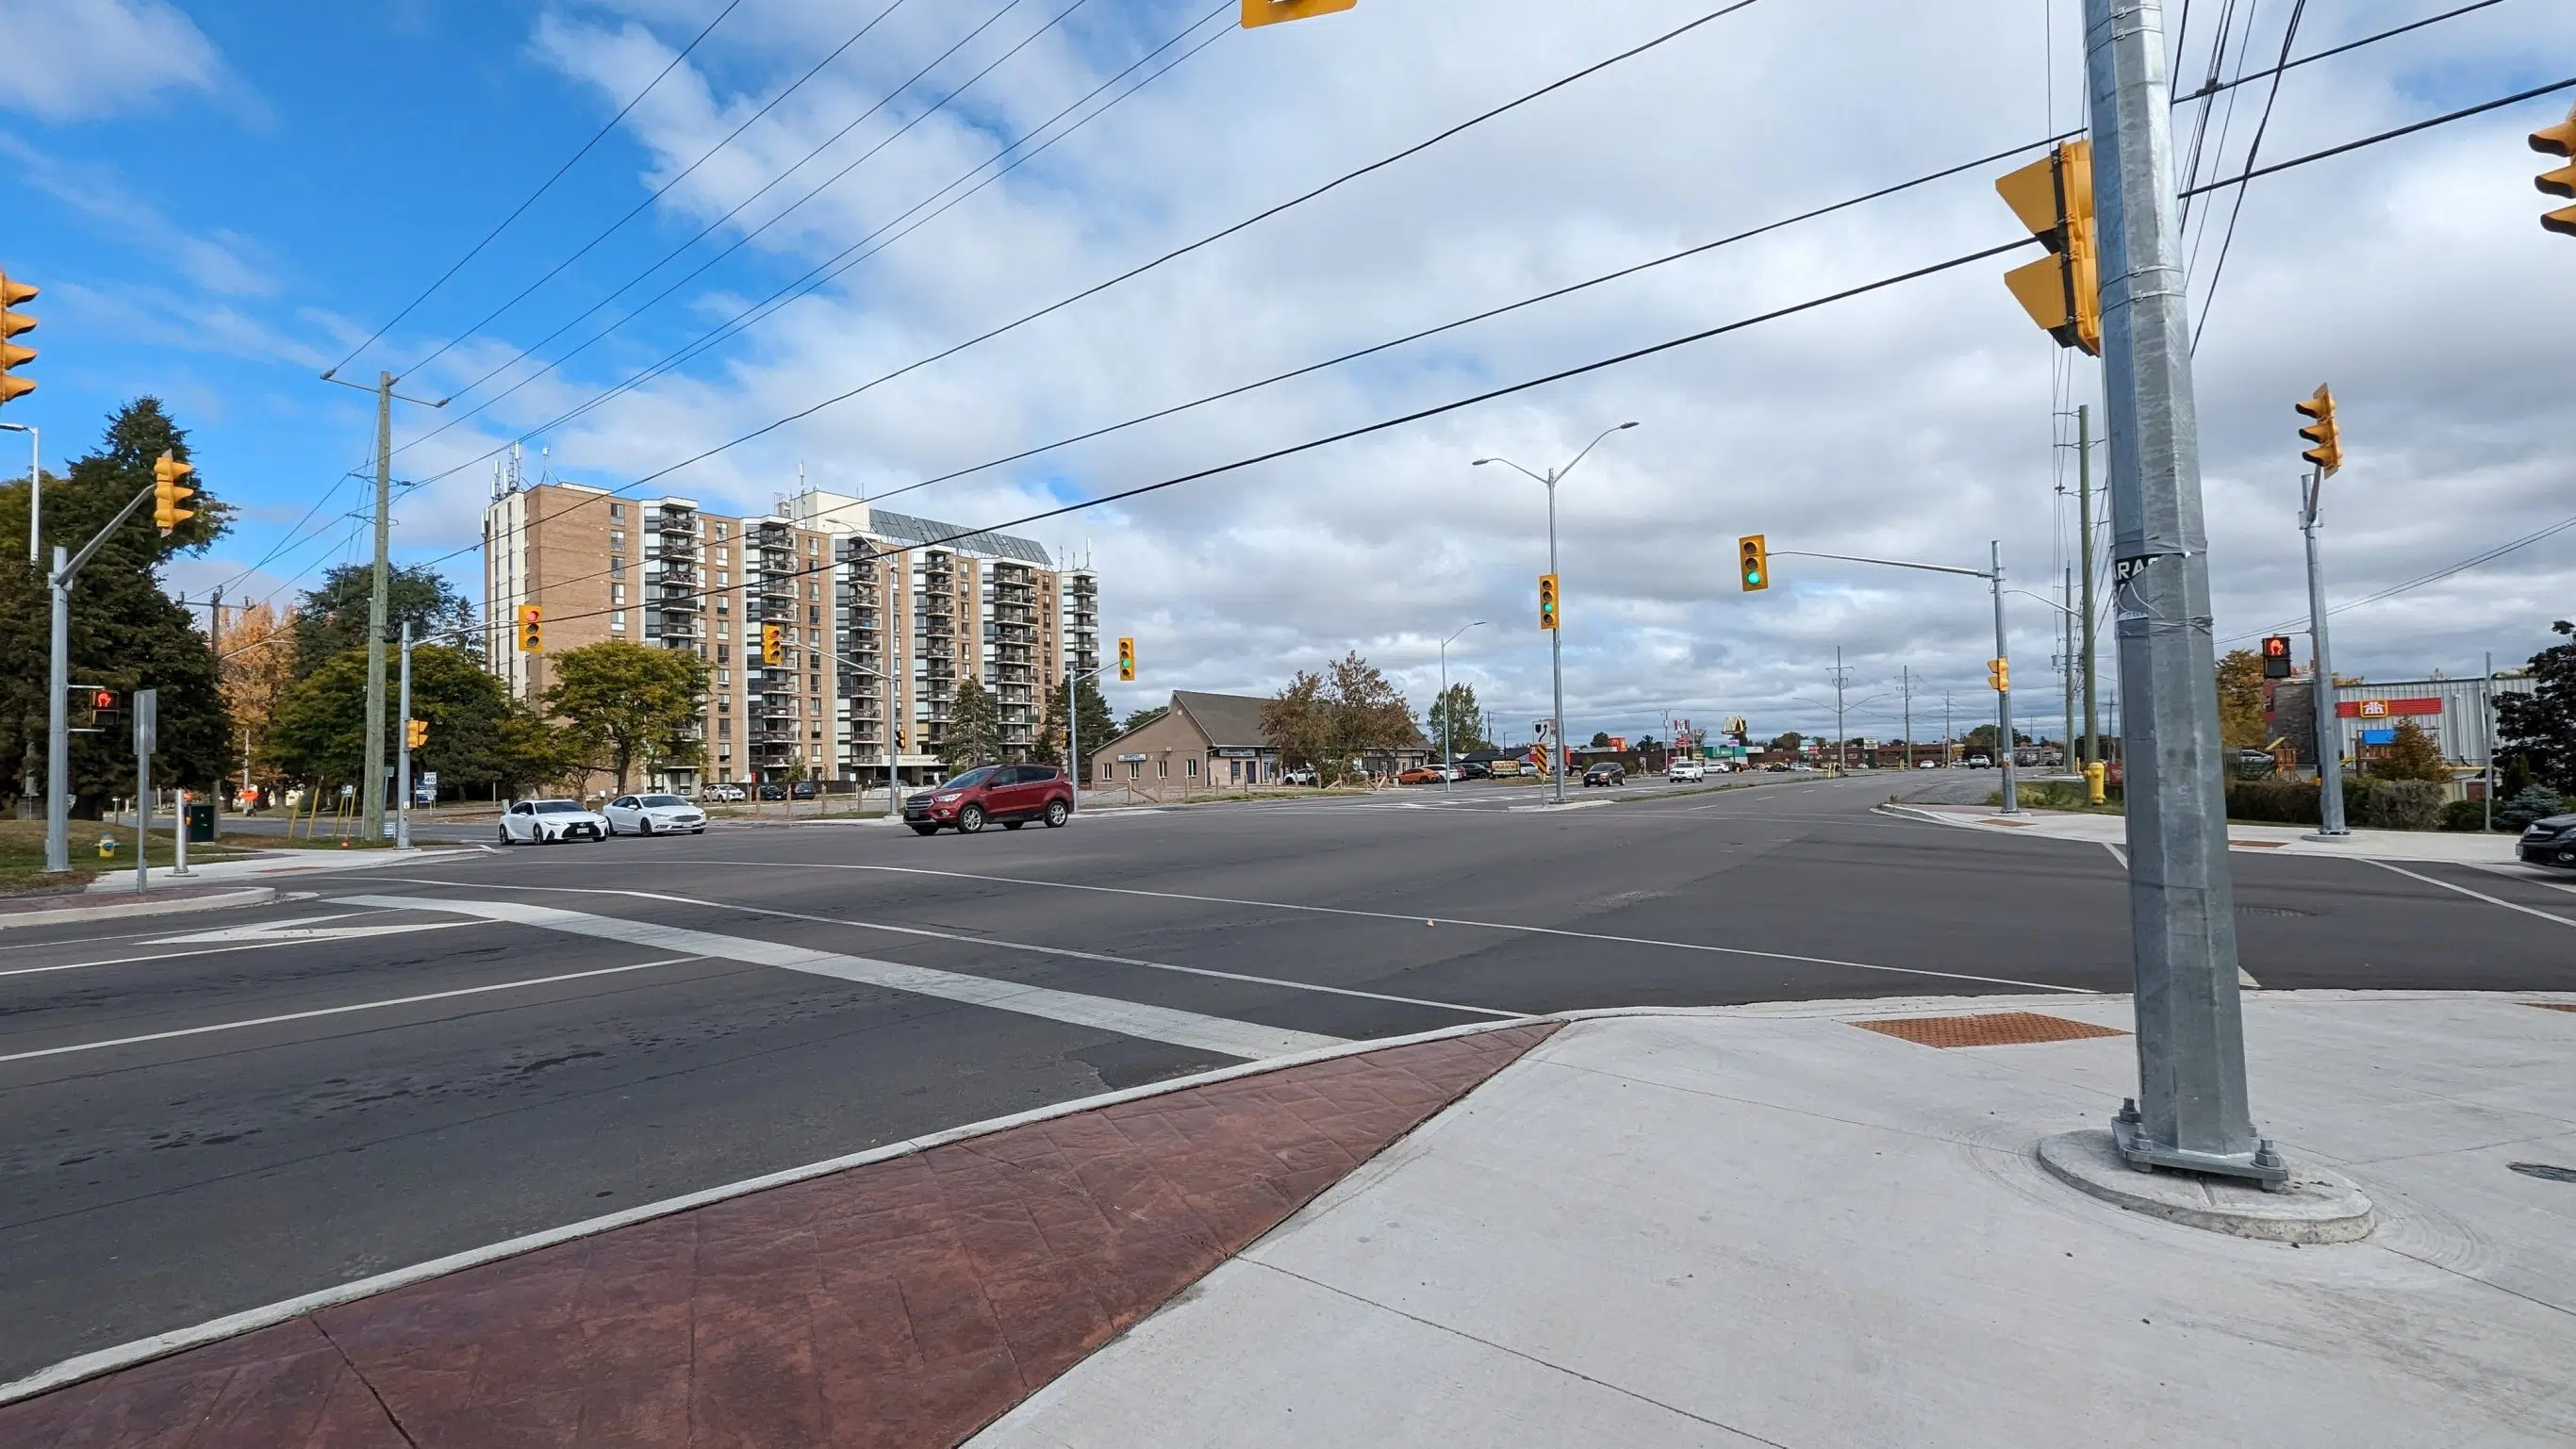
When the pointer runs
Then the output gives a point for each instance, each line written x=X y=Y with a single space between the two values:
x=2385 y=708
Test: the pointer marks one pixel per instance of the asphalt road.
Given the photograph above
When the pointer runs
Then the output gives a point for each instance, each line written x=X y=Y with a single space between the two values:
x=208 y=1115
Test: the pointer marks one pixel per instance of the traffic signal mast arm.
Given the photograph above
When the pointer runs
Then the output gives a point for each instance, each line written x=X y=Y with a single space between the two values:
x=1892 y=563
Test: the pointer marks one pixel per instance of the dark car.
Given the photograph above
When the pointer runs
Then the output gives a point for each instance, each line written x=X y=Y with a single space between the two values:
x=1476 y=770
x=1608 y=772
x=804 y=790
x=1013 y=795
x=773 y=792
x=2549 y=842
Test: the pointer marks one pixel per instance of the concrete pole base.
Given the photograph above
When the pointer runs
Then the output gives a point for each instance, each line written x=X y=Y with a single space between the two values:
x=2314 y=1206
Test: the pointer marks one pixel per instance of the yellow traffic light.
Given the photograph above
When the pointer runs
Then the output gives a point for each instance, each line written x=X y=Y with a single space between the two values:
x=13 y=356
x=772 y=652
x=2558 y=140
x=2324 y=437
x=1126 y=657
x=1999 y=675
x=415 y=733
x=1753 y=562
x=532 y=636
x=2062 y=291
x=1547 y=601
x=1271 y=12
x=168 y=492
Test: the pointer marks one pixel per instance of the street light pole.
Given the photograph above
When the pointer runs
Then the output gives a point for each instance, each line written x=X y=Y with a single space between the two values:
x=1448 y=713
x=2321 y=693
x=2003 y=694
x=1556 y=636
x=2192 y=1111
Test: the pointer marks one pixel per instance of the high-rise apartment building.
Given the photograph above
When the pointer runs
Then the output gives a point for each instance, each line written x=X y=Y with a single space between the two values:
x=882 y=615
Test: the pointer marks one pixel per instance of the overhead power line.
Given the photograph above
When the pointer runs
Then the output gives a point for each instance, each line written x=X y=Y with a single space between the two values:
x=548 y=185
x=665 y=188
x=2435 y=577
x=2253 y=149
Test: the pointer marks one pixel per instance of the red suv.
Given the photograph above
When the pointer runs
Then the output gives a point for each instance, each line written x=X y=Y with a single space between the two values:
x=1011 y=794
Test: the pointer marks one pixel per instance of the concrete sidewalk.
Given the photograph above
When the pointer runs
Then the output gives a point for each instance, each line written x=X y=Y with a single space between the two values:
x=1772 y=1227
x=2438 y=846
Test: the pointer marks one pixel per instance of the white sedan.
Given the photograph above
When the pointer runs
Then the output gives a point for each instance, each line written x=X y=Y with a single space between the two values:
x=654 y=815
x=544 y=822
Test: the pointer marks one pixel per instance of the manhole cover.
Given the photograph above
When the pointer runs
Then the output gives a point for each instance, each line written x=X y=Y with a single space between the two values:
x=2544 y=1171
x=1993 y=1028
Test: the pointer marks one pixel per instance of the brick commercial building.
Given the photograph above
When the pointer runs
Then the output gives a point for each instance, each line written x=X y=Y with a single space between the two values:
x=881 y=614
x=1211 y=742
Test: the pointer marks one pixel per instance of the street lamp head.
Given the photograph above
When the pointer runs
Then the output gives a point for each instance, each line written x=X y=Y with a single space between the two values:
x=1623 y=427
x=1481 y=462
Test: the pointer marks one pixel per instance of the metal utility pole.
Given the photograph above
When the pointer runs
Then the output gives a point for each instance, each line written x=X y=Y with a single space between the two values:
x=1556 y=637
x=1905 y=677
x=2192 y=1110
x=1448 y=726
x=2321 y=692
x=147 y=734
x=2066 y=676
x=2491 y=735
x=2085 y=621
x=1947 y=724
x=1841 y=676
x=402 y=756
x=2003 y=690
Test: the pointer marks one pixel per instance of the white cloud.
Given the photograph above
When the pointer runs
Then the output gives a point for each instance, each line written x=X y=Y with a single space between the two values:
x=71 y=59
x=1913 y=423
x=225 y=262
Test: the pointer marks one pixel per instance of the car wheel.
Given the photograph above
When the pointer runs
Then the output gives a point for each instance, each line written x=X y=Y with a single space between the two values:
x=504 y=832
x=644 y=826
x=925 y=830
x=971 y=819
x=1057 y=810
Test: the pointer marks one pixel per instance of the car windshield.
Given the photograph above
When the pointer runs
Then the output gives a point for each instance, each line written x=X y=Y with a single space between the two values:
x=971 y=778
x=558 y=807
x=662 y=800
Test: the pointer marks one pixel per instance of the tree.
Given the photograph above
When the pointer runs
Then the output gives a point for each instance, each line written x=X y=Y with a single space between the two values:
x=478 y=734
x=2240 y=701
x=1455 y=716
x=257 y=669
x=2540 y=727
x=125 y=632
x=973 y=735
x=1137 y=719
x=2412 y=755
x=1329 y=720
x=1600 y=739
x=1788 y=743
x=628 y=705
x=1098 y=725
x=333 y=617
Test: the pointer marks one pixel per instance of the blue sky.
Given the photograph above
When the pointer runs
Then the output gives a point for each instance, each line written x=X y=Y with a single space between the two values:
x=222 y=199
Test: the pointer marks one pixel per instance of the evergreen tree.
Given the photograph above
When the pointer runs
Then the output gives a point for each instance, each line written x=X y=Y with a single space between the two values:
x=125 y=633
x=1457 y=715
x=973 y=735
x=480 y=739
x=2540 y=727
x=1099 y=726
x=333 y=616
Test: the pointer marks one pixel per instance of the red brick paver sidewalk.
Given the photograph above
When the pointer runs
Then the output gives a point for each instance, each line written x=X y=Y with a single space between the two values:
x=906 y=1302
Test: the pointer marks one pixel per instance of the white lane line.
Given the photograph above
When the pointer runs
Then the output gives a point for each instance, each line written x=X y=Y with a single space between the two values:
x=100 y=1046
x=2479 y=895
x=1128 y=1018
x=995 y=942
x=1393 y=916
x=2117 y=854
x=261 y=945
x=2520 y=874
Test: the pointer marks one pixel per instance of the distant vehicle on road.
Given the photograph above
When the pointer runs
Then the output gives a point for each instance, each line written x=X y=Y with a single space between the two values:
x=1421 y=775
x=2549 y=842
x=1302 y=775
x=1802 y=768
x=1681 y=771
x=653 y=815
x=1011 y=795
x=1775 y=769
x=1929 y=765
x=1475 y=770
x=1980 y=762
x=1608 y=772
x=545 y=822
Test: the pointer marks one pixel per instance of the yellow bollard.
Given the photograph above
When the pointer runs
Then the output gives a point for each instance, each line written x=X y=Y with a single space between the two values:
x=2093 y=774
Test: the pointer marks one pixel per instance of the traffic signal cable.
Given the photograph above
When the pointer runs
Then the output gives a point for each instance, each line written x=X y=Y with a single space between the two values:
x=1186 y=249
x=546 y=186
x=824 y=271
x=691 y=169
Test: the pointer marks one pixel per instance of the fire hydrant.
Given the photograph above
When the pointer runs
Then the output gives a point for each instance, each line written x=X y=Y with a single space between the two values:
x=2093 y=774
x=107 y=847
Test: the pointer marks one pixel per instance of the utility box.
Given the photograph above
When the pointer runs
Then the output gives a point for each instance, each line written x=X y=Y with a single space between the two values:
x=201 y=822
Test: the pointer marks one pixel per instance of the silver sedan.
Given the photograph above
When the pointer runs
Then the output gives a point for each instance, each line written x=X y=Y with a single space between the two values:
x=654 y=815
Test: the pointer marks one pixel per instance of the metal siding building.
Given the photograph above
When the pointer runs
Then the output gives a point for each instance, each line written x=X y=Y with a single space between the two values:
x=2457 y=712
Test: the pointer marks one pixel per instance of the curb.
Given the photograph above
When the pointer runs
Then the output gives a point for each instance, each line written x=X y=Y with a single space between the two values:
x=67 y=915
x=161 y=1345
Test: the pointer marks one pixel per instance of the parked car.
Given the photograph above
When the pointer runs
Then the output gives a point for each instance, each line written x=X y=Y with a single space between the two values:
x=1608 y=772
x=1802 y=768
x=1302 y=775
x=1680 y=771
x=1012 y=795
x=1475 y=770
x=1929 y=765
x=1980 y=762
x=2548 y=842
x=654 y=815
x=1776 y=769
x=545 y=822
x=805 y=790
x=1421 y=775
x=721 y=792
x=773 y=791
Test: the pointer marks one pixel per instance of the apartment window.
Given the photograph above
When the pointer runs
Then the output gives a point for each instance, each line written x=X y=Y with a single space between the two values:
x=724 y=604
x=813 y=547
x=617 y=593
x=724 y=702
x=617 y=620
x=814 y=614
x=724 y=676
x=724 y=652
x=813 y=591
x=720 y=533
x=814 y=682
x=724 y=731
x=617 y=539
x=617 y=513
x=724 y=580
